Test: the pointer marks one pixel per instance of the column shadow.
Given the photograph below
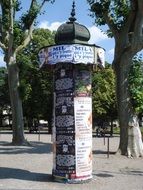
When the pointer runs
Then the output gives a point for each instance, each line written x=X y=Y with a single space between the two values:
x=14 y=173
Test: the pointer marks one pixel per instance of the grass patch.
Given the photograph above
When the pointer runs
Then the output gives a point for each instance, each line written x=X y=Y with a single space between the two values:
x=116 y=130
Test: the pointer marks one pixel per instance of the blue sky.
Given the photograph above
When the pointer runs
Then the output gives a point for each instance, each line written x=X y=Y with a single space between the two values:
x=59 y=12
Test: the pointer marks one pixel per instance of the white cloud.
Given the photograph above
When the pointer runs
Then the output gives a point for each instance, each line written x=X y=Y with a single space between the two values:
x=46 y=25
x=96 y=35
x=2 y=63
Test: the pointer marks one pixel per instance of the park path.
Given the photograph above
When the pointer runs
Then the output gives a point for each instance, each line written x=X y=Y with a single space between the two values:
x=29 y=168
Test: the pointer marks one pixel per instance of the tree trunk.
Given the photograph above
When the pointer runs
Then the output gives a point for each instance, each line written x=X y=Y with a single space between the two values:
x=128 y=146
x=111 y=131
x=16 y=105
x=1 y=117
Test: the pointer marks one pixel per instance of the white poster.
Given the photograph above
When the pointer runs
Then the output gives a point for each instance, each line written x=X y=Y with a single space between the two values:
x=74 y=53
x=83 y=135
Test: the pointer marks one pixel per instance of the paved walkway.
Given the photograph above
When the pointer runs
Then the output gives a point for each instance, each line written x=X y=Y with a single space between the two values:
x=29 y=168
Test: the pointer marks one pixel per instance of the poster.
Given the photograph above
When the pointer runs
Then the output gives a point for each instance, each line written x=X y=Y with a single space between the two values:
x=64 y=121
x=73 y=122
x=82 y=81
x=75 y=53
x=83 y=137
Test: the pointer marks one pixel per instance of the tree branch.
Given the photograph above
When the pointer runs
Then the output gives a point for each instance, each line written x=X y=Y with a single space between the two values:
x=128 y=24
x=32 y=14
x=137 y=41
x=26 y=41
x=140 y=5
x=32 y=4
x=10 y=32
x=111 y=24
x=139 y=18
x=4 y=38
x=2 y=46
x=28 y=31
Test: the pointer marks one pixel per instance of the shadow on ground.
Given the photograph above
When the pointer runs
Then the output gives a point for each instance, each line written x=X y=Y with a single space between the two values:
x=103 y=152
x=13 y=173
x=103 y=175
x=34 y=148
x=124 y=171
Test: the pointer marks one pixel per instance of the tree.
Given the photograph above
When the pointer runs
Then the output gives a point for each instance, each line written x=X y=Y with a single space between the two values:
x=36 y=84
x=4 y=93
x=103 y=93
x=14 y=36
x=136 y=85
x=125 y=22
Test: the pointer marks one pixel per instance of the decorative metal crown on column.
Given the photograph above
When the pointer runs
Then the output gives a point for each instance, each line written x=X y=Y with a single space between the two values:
x=71 y=45
x=72 y=32
x=72 y=18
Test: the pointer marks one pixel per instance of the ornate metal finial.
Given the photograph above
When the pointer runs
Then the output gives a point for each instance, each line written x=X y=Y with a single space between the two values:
x=72 y=18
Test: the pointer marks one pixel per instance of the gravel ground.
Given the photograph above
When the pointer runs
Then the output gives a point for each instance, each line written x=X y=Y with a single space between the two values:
x=29 y=168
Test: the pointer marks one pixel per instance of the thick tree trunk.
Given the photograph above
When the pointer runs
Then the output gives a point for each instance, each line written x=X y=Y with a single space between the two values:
x=128 y=146
x=16 y=105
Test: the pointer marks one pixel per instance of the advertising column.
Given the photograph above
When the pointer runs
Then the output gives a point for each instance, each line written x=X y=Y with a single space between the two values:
x=72 y=118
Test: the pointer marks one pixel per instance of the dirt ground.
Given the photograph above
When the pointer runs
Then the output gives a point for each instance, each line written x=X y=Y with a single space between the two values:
x=30 y=167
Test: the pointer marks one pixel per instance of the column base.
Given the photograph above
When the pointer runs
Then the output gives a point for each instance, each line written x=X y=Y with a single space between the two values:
x=71 y=178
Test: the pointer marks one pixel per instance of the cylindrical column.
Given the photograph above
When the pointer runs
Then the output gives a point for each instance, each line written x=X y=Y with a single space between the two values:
x=73 y=123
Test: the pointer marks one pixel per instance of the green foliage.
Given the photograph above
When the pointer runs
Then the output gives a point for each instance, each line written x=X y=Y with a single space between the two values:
x=2 y=76
x=117 y=10
x=17 y=5
x=136 y=85
x=18 y=34
x=36 y=85
x=41 y=37
x=36 y=93
x=4 y=93
x=28 y=18
x=31 y=15
x=17 y=30
x=103 y=91
x=5 y=22
x=5 y=15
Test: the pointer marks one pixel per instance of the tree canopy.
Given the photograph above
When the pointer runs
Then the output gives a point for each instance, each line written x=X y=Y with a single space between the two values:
x=4 y=92
x=35 y=84
x=104 y=96
x=136 y=85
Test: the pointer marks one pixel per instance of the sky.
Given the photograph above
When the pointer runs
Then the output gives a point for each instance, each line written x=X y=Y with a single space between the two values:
x=58 y=13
